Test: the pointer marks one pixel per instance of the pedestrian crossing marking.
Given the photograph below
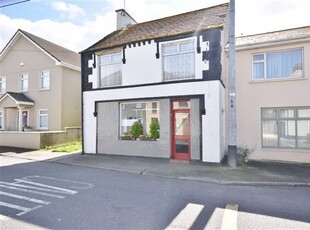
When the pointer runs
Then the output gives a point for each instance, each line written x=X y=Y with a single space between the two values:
x=186 y=218
x=24 y=198
x=26 y=185
x=229 y=221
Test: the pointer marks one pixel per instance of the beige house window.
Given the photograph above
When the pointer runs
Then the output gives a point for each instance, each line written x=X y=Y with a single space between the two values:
x=43 y=119
x=2 y=84
x=277 y=65
x=44 y=80
x=286 y=128
x=24 y=82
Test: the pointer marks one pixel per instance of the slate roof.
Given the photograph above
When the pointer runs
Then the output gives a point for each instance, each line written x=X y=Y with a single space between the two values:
x=60 y=53
x=19 y=97
x=276 y=36
x=202 y=19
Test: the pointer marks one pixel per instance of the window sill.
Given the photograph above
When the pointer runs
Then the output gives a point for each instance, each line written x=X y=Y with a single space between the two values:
x=278 y=80
x=286 y=149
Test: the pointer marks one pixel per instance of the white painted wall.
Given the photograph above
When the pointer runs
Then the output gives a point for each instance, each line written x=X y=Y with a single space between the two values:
x=142 y=67
x=211 y=122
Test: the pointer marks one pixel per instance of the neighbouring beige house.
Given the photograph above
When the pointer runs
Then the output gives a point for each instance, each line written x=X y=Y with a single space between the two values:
x=40 y=89
x=273 y=94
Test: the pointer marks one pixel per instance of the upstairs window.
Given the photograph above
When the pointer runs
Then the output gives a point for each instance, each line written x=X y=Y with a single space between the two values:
x=277 y=65
x=24 y=82
x=178 y=60
x=45 y=80
x=2 y=85
x=110 y=70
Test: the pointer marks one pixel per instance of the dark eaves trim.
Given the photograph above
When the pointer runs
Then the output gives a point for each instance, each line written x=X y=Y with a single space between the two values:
x=144 y=41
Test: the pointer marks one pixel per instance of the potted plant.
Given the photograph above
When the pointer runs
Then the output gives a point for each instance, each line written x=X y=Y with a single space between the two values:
x=154 y=129
x=136 y=130
x=28 y=128
x=126 y=136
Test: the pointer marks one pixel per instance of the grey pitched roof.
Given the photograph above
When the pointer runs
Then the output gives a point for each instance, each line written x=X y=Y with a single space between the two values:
x=58 y=52
x=276 y=36
x=19 y=97
x=202 y=19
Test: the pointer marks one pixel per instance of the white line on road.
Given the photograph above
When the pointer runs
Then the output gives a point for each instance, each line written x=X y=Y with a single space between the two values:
x=229 y=221
x=20 y=208
x=82 y=185
x=31 y=191
x=68 y=191
x=186 y=218
x=24 y=198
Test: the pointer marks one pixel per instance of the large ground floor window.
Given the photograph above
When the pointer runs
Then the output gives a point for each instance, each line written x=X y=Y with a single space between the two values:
x=286 y=127
x=142 y=116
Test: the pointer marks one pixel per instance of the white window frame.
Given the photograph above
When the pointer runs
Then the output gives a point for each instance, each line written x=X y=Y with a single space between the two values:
x=2 y=84
x=24 y=77
x=278 y=119
x=178 y=42
x=1 y=119
x=107 y=64
x=42 y=115
x=42 y=77
x=264 y=61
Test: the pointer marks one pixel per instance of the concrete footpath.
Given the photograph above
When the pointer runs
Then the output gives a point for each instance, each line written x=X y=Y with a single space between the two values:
x=255 y=173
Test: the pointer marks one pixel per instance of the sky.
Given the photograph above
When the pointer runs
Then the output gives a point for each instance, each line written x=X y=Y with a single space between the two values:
x=77 y=24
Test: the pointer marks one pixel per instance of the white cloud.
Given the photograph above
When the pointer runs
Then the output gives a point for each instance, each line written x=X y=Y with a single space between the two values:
x=67 y=10
x=251 y=17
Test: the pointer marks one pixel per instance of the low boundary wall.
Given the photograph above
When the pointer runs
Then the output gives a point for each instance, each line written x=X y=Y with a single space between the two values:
x=39 y=139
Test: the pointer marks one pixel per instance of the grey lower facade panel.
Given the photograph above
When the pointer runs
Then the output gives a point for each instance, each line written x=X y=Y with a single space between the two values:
x=108 y=132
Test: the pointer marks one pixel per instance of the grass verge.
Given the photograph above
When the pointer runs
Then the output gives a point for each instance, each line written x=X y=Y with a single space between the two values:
x=67 y=147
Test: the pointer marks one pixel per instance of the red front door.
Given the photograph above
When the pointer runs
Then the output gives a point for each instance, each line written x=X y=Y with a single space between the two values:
x=181 y=133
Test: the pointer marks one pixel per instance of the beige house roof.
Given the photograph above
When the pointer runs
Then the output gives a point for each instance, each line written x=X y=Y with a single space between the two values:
x=274 y=37
x=189 y=22
x=57 y=52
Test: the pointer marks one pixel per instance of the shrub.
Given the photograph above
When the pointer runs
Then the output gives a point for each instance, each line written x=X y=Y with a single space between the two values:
x=136 y=129
x=244 y=151
x=154 y=129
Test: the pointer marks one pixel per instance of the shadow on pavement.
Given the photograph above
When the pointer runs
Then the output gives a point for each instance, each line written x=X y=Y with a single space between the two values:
x=5 y=149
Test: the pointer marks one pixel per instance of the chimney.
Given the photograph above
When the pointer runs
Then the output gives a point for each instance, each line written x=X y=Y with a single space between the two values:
x=123 y=19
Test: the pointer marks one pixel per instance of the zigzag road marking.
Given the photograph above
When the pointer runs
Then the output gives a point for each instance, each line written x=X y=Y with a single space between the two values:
x=20 y=208
x=58 y=189
x=77 y=184
x=31 y=191
x=24 y=198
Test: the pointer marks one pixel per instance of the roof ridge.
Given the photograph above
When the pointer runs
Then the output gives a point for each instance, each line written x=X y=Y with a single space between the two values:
x=30 y=34
x=276 y=31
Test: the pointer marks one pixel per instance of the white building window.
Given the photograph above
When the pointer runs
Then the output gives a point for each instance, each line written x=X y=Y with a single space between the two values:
x=110 y=70
x=277 y=65
x=1 y=119
x=43 y=119
x=178 y=60
x=24 y=82
x=2 y=85
x=143 y=112
x=286 y=128
x=45 y=80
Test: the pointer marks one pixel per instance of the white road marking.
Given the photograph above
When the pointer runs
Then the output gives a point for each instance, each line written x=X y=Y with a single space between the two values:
x=31 y=191
x=58 y=189
x=82 y=185
x=229 y=221
x=24 y=198
x=186 y=218
x=20 y=208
